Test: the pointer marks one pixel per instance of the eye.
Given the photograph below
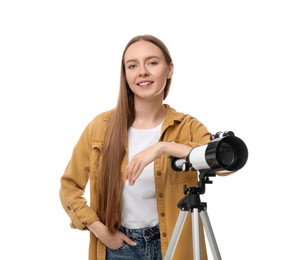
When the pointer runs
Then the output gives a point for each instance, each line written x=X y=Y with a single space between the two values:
x=131 y=66
x=152 y=63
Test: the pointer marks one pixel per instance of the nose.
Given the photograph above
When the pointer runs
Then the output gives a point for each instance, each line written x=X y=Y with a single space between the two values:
x=143 y=72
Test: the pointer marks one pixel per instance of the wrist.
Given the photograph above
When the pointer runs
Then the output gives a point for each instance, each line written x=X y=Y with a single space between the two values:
x=161 y=148
x=96 y=227
x=174 y=149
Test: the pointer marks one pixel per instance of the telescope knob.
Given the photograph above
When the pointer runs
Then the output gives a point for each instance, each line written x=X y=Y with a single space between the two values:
x=185 y=189
x=185 y=167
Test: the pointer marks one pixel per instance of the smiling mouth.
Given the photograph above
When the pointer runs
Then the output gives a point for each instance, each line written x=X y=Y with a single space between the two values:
x=146 y=83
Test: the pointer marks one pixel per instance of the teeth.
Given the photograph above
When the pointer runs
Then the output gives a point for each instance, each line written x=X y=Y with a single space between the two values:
x=145 y=83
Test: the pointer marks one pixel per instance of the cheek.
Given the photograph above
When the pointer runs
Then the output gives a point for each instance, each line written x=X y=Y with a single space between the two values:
x=129 y=77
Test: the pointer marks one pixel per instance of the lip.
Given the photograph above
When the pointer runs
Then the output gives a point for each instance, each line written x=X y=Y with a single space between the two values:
x=144 y=83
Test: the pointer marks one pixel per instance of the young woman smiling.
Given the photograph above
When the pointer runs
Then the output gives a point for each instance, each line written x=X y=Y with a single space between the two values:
x=124 y=156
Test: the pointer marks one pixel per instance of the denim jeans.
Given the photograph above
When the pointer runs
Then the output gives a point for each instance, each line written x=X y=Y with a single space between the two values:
x=148 y=245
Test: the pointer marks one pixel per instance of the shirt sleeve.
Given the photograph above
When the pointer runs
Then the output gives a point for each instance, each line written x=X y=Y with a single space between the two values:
x=73 y=183
x=199 y=133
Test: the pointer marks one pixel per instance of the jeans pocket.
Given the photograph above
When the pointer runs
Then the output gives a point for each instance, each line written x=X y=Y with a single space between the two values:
x=122 y=247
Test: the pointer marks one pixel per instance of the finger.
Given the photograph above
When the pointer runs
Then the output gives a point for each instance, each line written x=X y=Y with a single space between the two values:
x=129 y=170
x=136 y=175
x=129 y=241
x=132 y=171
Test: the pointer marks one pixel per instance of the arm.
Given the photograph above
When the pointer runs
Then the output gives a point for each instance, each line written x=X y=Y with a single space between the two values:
x=142 y=159
x=73 y=183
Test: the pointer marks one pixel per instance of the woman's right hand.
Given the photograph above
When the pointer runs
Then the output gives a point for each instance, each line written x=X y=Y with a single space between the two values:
x=111 y=240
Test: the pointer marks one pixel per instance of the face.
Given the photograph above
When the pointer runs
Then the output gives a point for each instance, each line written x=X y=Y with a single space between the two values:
x=146 y=70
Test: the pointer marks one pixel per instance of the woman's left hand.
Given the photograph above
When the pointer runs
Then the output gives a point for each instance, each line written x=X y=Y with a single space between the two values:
x=140 y=161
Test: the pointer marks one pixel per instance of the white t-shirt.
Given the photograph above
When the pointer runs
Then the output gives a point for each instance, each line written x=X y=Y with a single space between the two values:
x=139 y=208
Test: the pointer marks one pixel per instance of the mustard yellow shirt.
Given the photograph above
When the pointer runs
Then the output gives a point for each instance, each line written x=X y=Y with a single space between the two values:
x=82 y=170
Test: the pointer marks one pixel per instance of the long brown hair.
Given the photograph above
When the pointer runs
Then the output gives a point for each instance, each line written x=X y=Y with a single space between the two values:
x=116 y=139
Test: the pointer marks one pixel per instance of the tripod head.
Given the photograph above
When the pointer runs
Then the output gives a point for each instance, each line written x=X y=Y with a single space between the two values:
x=191 y=199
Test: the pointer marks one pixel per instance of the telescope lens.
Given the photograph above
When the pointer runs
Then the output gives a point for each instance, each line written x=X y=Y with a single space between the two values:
x=226 y=154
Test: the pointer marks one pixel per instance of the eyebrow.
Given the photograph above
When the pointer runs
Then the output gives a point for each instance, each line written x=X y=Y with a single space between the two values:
x=147 y=58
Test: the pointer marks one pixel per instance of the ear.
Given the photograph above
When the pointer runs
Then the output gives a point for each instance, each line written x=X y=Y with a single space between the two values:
x=170 y=70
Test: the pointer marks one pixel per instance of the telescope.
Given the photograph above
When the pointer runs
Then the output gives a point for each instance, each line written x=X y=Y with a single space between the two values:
x=224 y=152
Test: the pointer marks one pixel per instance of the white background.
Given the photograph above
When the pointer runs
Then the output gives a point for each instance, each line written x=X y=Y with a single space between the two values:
x=239 y=65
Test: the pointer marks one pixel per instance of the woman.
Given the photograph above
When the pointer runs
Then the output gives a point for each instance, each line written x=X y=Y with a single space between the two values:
x=124 y=154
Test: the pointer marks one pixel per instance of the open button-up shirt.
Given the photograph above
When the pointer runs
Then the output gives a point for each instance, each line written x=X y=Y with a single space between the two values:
x=82 y=169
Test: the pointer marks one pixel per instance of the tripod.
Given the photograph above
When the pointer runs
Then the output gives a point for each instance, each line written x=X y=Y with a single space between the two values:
x=192 y=203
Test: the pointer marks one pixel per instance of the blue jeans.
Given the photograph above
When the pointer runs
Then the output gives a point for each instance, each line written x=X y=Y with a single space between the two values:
x=148 y=245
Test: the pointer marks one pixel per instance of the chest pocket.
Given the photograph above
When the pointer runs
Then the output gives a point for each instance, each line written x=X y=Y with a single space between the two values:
x=181 y=176
x=96 y=150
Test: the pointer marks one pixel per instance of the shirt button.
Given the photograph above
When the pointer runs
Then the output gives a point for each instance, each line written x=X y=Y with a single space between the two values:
x=158 y=173
x=160 y=195
x=162 y=214
x=164 y=234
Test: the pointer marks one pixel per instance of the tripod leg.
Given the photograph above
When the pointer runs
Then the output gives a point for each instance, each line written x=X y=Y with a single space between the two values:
x=176 y=234
x=195 y=233
x=210 y=235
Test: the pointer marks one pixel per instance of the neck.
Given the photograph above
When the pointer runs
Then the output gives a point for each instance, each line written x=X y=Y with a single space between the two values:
x=148 y=115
